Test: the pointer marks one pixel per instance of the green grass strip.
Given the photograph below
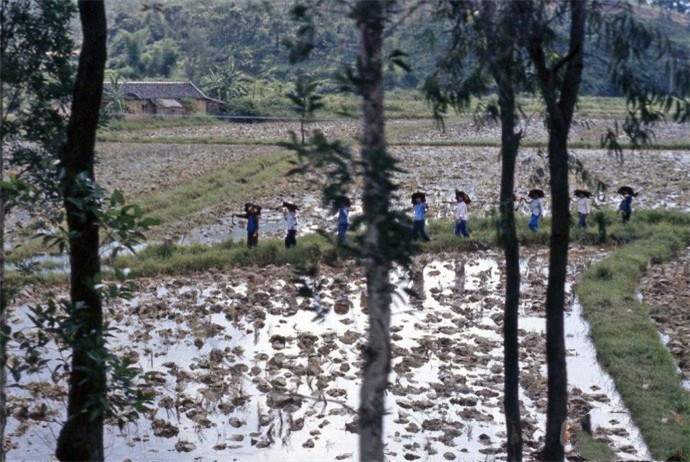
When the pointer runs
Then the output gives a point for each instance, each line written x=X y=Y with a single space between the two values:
x=190 y=201
x=311 y=248
x=681 y=145
x=593 y=449
x=628 y=343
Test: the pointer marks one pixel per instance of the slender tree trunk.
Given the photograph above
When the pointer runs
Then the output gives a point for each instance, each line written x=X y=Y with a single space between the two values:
x=560 y=116
x=369 y=15
x=510 y=142
x=3 y=297
x=81 y=437
x=557 y=408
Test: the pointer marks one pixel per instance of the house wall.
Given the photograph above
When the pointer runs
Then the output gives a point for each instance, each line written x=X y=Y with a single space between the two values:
x=171 y=110
x=212 y=107
x=140 y=109
x=136 y=106
x=198 y=106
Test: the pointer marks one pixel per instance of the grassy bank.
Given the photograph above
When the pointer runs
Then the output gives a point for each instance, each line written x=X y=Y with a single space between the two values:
x=680 y=145
x=628 y=343
x=175 y=259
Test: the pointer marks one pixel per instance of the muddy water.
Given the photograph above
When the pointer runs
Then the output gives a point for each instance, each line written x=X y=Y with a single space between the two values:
x=243 y=369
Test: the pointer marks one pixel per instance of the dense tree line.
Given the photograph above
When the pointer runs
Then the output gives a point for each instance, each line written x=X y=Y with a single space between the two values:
x=192 y=40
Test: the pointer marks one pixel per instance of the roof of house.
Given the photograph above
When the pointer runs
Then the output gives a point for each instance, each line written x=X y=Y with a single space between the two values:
x=162 y=90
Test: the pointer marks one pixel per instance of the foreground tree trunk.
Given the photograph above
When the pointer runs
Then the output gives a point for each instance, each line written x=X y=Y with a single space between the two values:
x=510 y=142
x=369 y=15
x=560 y=95
x=3 y=288
x=81 y=437
x=498 y=28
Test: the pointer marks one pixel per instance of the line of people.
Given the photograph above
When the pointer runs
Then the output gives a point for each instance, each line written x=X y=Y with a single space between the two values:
x=583 y=202
x=534 y=203
x=252 y=213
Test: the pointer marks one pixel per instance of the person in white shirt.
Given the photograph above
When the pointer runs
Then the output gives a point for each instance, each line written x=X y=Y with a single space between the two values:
x=290 y=214
x=461 y=213
x=583 y=207
x=536 y=208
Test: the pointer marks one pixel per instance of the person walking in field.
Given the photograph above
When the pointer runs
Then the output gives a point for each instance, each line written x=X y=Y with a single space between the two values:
x=625 y=207
x=290 y=215
x=461 y=213
x=583 y=207
x=536 y=208
x=343 y=205
x=251 y=214
x=419 y=209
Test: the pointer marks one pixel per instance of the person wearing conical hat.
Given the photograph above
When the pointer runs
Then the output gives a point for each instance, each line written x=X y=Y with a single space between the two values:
x=290 y=215
x=419 y=208
x=583 y=207
x=536 y=208
x=461 y=213
x=625 y=207
x=251 y=214
x=343 y=205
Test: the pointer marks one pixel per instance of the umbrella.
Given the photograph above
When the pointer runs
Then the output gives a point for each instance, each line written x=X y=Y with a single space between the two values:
x=623 y=190
x=462 y=195
x=534 y=193
x=418 y=195
x=582 y=193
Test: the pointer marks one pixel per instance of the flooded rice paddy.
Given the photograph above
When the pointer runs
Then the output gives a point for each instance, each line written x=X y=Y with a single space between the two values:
x=242 y=368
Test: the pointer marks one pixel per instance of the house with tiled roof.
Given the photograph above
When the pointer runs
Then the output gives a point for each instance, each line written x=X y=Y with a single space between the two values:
x=164 y=98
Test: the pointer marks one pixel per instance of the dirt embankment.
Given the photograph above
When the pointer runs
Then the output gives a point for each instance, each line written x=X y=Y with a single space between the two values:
x=666 y=289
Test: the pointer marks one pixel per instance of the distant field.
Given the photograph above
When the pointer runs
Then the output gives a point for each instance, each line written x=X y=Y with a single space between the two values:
x=398 y=105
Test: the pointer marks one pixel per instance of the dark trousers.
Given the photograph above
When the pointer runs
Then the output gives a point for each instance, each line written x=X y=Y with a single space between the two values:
x=418 y=230
x=582 y=222
x=291 y=238
x=342 y=233
x=252 y=239
x=461 y=228
x=626 y=215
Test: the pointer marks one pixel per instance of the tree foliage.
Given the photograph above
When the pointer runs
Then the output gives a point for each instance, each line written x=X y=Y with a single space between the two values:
x=183 y=39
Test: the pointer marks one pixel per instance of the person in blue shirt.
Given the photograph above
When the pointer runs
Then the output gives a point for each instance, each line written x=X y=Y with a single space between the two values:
x=251 y=214
x=419 y=208
x=343 y=205
x=625 y=207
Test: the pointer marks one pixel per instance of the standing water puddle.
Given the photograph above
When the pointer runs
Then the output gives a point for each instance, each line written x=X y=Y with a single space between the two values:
x=244 y=369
